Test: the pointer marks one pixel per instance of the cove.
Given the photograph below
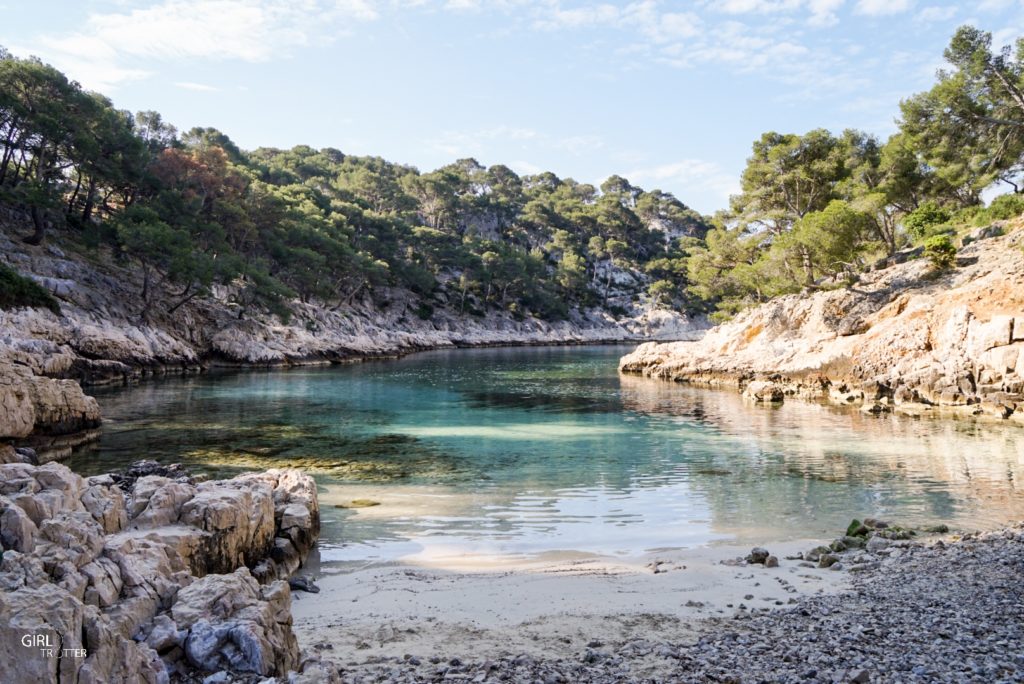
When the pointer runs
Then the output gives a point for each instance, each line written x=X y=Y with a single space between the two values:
x=521 y=452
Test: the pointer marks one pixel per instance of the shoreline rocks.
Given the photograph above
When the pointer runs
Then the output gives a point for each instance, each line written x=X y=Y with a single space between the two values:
x=54 y=413
x=901 y=340
x=145 y=577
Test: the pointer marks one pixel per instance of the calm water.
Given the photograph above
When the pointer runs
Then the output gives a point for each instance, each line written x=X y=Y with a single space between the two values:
x=519 y=452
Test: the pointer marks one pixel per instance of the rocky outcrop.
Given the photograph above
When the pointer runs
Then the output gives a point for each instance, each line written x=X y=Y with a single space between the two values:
x=48 y=409
x=149 y=578
x=903 y=338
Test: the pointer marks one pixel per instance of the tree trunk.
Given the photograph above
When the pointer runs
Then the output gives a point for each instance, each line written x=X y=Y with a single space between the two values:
x=186 y=299
x=39 y=223
x=805 y=258
x=90 y=199
x=74 y=195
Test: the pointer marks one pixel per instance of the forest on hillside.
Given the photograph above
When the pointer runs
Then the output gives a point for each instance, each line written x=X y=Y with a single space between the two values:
x=191 y=210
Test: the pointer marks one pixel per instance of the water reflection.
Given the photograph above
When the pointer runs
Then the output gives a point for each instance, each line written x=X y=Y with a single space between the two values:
x=524 y=451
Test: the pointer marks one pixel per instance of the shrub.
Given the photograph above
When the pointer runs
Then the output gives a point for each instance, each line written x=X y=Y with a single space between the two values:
x=1005 y=207
x=17 y=291
x=920 y=222
x=424 y=311
x=940 y=250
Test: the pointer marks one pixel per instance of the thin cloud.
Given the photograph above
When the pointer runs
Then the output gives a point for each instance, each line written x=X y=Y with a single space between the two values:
x=111 y=47
x=579 y=144
x=933 y=14
x=476 y=143
x=525 y=168
x=878 y=8
x=823 y=13
x=199 y=87
x=703 y=182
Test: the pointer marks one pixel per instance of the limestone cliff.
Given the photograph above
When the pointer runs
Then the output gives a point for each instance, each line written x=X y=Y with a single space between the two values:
x=902 y=338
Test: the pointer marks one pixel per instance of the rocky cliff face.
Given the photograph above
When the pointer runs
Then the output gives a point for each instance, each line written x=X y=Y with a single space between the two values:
x=149 y=578
x=901 y=339
x=105 y=334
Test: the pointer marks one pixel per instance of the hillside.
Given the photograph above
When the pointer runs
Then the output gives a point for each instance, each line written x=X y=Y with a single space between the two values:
x=903 y=338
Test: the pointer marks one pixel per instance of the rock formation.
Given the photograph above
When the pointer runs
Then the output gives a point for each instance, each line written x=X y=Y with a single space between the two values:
x=150 y=578
x=903 y=338
x=46 y=408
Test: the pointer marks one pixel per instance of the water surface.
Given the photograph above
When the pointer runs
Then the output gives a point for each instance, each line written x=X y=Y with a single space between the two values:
x=525 y=451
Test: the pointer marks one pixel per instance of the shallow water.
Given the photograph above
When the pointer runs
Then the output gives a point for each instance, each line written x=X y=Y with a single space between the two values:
x=527 y=451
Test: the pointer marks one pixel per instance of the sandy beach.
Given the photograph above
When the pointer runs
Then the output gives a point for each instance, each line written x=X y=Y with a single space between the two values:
x=933 y=610
x=489 y=607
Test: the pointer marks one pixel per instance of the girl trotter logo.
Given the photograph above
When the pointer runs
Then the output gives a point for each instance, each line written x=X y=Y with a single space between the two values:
x=50 y=645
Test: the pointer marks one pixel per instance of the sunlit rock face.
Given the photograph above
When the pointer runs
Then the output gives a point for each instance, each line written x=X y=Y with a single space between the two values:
x=31 y=403
x=900 y=337
x=149 y=578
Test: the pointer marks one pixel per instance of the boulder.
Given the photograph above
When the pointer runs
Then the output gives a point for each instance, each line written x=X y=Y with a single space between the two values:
x=233 y=623
x=106 y=503
x=239 y=522
x=17 y=531
x=17 y=410
x=758 y=556
x=158 y=501
x=763 y=391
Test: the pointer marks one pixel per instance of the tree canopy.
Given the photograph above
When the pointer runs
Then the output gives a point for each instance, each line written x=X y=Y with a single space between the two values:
x=191 y=210
x=815 y=209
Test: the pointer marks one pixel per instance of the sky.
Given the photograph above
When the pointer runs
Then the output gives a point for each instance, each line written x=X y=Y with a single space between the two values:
x=670 y=95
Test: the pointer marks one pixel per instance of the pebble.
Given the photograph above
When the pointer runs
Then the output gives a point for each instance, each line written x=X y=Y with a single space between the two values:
x=944 y=613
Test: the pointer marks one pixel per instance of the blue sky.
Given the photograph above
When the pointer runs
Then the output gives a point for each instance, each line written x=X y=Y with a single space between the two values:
x=668 y=94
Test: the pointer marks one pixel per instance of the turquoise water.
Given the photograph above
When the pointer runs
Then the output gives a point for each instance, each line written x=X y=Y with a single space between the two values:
x=525 y=451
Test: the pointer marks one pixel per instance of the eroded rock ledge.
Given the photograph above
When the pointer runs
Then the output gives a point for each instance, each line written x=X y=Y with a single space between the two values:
x=154 y=578
x=57 y=414
x=902 y=339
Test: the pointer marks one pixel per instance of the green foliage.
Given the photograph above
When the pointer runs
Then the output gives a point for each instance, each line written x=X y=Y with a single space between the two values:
x=829 y=241
x=1004 y=207
x=662 y=291
x=17 y=291
x=921 y=222
x=969 y=128
x=940 y=250
x=424 y=311
x=814 y=208
x=787 y=177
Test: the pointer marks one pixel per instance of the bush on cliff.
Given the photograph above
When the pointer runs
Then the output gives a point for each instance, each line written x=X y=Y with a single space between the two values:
x=17 y=291
x=940 y=251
